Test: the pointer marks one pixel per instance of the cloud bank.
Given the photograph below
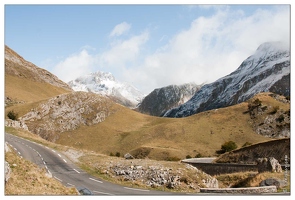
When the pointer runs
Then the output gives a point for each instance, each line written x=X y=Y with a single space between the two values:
x=210 y=48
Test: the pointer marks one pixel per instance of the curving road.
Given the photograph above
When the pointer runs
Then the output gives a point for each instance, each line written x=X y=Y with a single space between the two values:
x=67 y=172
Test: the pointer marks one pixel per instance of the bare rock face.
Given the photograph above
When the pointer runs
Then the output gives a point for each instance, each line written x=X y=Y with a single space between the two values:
x=268 y=164
x=16 y=124
x=211 y=182
x=162 y=99
x=128 y=156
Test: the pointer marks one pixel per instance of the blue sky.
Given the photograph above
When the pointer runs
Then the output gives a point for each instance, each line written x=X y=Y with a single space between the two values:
x=150 y=46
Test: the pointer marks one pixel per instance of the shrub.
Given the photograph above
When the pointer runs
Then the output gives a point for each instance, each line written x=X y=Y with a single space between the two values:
x=280 y=119
x=118 y=154
x=111 y=154
x=198 y=155
x=188 y=157
x=12 y=115
x=229 y=146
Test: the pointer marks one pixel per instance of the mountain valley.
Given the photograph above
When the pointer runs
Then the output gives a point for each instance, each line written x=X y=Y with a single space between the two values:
x=234 y=108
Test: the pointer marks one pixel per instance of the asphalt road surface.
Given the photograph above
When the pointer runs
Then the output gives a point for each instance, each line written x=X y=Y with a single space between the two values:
x=67 y=172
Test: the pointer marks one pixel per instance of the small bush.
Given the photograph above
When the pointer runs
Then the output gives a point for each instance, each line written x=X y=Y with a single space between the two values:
x=118 y=154
x=12 y=115
x=198 y=155
x=229 y=146
x=111 y=154
x=280 y=119
x=188 y=157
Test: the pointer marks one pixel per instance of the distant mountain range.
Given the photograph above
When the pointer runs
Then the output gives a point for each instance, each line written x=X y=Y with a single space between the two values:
x=104 y=83
x=162 y=99
x=267 y=70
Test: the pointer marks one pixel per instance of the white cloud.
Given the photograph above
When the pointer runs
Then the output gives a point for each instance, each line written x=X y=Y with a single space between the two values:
x=74 y=66
x=123 y=51
x=120 y=29
x=211 y=48
x=115 y=58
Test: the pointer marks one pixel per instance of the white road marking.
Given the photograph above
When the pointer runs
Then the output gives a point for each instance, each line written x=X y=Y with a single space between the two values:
x=76 y=171
x=101 y=193
x=95 y=180
x=71 y=184
x=18 y=152
x=59 y=155
x=15 y=149
x=46 y=147
x=65 y=160
x=136 y=189
x=57 y=178
x=52 y=150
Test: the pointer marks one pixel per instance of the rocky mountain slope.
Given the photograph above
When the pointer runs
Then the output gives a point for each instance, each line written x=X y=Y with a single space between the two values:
x=105 y=84
x=268 y=69
x=162 y=99
x=16 y=65
x=67 y=112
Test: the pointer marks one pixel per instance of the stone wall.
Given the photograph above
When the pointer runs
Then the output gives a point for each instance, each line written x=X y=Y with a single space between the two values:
x=224 y=168
x=249 y=190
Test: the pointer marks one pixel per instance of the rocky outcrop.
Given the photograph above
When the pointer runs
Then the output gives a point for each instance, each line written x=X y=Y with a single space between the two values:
x=67 y=112
x=273 y=182
x=162 y=99
x=16 y=124
x=269 y=164
x=267 y=70
x=7 y=169
x=156 y=176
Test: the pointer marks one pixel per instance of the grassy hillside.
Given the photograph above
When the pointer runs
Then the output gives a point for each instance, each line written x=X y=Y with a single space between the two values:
x=167 y=138
x=26 y=90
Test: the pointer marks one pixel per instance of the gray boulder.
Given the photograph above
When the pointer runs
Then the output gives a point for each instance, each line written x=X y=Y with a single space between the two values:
x=272 y=181
x=128 y=156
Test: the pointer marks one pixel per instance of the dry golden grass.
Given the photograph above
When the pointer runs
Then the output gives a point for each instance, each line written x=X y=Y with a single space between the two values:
x=22 y=89
x=27 y=178
x=128 y=131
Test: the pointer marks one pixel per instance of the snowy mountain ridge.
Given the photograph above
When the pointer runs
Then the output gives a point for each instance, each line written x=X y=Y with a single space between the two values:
x=104 y=83
x=267 y=70
x=162 y=99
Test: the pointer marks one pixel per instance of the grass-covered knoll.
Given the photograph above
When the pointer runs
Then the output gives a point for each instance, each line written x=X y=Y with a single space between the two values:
x=169 y=138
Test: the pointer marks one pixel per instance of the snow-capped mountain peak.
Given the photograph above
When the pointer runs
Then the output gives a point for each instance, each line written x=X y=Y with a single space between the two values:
x=104 y=83
x=267 y=70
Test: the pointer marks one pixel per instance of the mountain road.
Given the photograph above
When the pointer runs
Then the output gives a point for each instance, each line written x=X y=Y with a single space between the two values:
x=65 y=171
